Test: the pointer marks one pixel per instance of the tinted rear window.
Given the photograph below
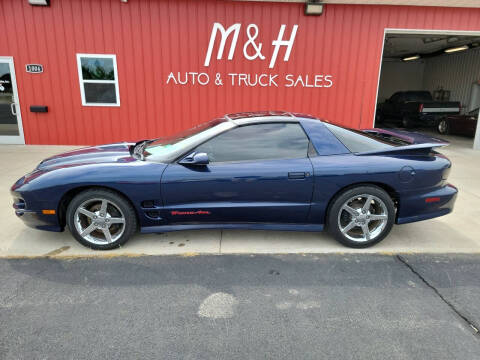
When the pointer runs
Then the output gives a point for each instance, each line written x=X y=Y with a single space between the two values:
x=357 y=141
x=418 y=96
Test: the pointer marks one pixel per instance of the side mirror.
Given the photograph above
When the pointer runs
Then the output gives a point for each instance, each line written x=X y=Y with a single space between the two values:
x=195 y=159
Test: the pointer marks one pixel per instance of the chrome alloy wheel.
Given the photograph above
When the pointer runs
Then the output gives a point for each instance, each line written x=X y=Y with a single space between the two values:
x=442 y=127
x=99 y=221
x=362 y=218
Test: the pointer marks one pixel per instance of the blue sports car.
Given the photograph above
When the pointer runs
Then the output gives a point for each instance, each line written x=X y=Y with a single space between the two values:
x=269 y=170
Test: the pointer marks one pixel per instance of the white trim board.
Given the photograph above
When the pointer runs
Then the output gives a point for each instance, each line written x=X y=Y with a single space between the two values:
x=20 y=138
x=438 y=3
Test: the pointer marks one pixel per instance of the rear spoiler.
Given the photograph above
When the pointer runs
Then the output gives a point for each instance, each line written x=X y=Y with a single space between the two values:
x=408 y=136
x=418 y=143
x=420 y=149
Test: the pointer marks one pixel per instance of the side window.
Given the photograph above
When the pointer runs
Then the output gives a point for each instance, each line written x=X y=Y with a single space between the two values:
x=395 y=97
x=98 y=80
x=258 y=142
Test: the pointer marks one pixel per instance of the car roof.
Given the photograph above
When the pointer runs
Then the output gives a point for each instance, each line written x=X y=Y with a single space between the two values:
x=253 y=117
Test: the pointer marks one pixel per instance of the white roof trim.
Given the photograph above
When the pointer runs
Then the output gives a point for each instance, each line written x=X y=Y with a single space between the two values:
x=439 y=3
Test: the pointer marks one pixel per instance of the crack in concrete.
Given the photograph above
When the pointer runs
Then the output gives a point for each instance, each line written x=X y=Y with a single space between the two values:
x=57 y=251
x=220 y=247
x=462 y=316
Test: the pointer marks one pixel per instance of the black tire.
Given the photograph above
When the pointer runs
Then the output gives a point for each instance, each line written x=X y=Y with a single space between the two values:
x=118 y=208
x=378 y=118
x=336 y=215
x=406 y=122
x=443 y=127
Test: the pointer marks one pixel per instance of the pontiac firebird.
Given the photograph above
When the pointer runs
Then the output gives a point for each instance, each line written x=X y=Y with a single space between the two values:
x=269 y=170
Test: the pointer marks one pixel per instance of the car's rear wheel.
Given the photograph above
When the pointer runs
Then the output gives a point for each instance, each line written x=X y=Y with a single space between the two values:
x=101 y=219
x=361 y=217
x=443 y=127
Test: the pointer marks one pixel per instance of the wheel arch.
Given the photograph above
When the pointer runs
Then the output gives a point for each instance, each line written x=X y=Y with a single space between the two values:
x=387 y=188
x=70 y=194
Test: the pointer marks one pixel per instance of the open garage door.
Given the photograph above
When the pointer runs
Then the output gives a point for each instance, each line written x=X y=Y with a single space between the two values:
x=430 y=82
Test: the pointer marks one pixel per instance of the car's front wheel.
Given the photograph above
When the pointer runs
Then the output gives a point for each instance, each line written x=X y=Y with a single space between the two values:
x=361 y=217
x=101 y=219
x=406 y=122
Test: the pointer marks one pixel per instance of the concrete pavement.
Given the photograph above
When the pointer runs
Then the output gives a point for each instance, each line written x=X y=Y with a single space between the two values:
x=241 y=307
x=454 y=233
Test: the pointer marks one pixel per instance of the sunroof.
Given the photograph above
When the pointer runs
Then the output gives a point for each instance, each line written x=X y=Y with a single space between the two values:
x=252 y=114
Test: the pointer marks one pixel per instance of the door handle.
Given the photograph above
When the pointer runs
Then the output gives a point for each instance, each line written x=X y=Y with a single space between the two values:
x=13 y=109
x=297 y=175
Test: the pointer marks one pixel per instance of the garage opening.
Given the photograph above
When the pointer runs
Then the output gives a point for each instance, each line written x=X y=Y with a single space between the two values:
x=430 y=83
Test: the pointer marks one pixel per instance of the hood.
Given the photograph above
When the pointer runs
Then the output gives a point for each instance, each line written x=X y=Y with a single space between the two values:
x=109 y=153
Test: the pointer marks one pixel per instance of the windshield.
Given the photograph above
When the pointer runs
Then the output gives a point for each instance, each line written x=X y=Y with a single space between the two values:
x=169 y=148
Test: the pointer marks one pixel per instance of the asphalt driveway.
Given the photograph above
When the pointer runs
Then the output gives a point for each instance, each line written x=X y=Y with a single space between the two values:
x=241 y=307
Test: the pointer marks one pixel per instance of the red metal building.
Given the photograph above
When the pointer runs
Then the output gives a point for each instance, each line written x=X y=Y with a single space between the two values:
x=114 y=70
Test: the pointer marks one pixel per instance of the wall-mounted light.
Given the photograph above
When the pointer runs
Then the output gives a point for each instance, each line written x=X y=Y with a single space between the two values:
x=313 y=7
x=455 y=49
x=39 y=2
x=411 y=58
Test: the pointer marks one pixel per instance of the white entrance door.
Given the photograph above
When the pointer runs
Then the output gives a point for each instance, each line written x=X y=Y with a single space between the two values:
x=11 y=130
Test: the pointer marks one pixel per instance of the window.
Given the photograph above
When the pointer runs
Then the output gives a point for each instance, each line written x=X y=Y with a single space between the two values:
x=98 y=79
x=396 y=97
x=418 y=96
x=258 y=142
x=358 y=141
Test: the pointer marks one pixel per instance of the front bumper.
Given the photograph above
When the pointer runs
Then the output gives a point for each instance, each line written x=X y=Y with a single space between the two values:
x=34 y=218
x=427 y=205
x=429 y=120
x=38 y=220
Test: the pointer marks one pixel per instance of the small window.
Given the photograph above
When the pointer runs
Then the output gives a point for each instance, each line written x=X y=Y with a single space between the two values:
x=358 y=141
x=258 y=142
x=98 y=79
